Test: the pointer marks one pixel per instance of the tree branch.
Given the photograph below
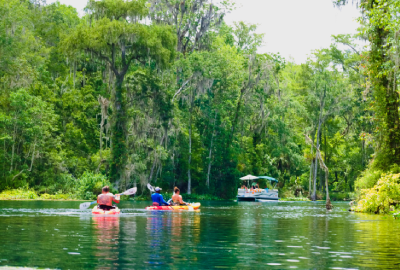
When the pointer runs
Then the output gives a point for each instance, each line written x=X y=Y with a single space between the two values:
x=99 y=55
x=180 y=89
x=18 y=174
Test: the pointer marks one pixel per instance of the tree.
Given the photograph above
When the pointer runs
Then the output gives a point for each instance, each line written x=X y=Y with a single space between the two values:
x=318 y=154
x=380 y=25
x=114 y=36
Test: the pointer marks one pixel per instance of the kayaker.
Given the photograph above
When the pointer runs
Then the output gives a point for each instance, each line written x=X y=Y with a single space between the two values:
x=157 y=198
x=176 y=198
x=105 y=199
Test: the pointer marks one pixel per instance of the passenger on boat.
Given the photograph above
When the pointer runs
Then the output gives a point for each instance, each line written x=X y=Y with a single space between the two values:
x=244 y=187
x=254 y=185
x=157 y=198
x=105 y=199
x=176 y=198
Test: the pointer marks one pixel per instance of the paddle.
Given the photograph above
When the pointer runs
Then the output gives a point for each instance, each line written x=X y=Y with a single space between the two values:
x=88 y=204
x=150 y=187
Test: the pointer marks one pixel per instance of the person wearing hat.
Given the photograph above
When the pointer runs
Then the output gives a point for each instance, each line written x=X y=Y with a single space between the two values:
x=157 y=198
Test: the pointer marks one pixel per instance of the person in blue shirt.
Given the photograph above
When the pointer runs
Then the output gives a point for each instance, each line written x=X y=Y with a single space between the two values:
x=157 y=198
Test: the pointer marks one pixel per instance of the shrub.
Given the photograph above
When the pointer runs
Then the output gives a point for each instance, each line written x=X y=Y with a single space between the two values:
x=368 y=179
x=371 y=176
x=18 y=194
x=59 y=196
x=90 y=185
x=381 y=197
x=341 y=196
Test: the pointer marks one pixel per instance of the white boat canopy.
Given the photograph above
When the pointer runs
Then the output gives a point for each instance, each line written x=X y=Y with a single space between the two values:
x=249 y=177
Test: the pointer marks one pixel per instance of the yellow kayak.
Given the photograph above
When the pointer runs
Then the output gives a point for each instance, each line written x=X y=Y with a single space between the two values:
x=190 y=207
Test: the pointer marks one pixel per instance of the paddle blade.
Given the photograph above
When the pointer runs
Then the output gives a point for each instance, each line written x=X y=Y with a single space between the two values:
x=150 y=187
x=86 y=205
x=130 y=191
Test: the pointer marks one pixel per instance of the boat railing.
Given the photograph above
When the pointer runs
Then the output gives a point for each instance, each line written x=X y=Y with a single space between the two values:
x=257 y=190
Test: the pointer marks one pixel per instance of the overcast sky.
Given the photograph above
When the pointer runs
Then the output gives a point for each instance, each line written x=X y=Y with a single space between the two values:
x=292 y=27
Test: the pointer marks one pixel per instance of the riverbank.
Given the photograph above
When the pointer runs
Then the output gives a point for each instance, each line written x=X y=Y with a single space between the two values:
x=29 y=194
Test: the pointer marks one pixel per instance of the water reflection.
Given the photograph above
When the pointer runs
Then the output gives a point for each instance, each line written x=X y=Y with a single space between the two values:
x=107 y=244
x=157 y=223
x=377 y=238
x=172 y=237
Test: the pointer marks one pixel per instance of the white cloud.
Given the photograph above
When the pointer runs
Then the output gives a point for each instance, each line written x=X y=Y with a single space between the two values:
x=292 y=27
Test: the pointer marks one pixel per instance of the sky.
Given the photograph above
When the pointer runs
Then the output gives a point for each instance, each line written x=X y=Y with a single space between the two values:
x=294 y=28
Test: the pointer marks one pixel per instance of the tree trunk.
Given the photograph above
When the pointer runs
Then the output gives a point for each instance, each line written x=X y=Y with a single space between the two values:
x=236 y=119
x=155 y=158
x=328 y=200
x=209 y=155
x=13 y=146
x=103 y=108
x=33 y=155
x=311 y=173
x=314 y=196
x=320 y=120
x=189 y=188
x=119 y=151
x=323 y=166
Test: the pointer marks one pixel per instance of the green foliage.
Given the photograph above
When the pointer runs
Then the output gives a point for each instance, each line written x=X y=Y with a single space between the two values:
x=295 y=199
x=137 y=91
x=381 y=197
x=90 y=185
x=342 y=196
x=18 y=194
x=30 y=194
x=368 y=179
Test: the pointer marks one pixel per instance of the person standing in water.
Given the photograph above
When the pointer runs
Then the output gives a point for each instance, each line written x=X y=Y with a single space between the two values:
x=176 y=198
x=105 y=199
x=157 y=198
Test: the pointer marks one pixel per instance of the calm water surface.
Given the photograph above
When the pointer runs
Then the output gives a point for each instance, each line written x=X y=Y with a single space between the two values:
x=277 y=235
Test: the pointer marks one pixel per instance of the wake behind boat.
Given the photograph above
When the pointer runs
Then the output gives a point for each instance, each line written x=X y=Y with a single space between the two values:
x=253 y=194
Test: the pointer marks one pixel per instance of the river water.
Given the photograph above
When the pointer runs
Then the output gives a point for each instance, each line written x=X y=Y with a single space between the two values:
x=273 y=235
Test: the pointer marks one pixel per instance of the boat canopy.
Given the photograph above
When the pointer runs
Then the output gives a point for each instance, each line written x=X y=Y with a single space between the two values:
x=249 y=177
x=252 y=177
x=268 y=178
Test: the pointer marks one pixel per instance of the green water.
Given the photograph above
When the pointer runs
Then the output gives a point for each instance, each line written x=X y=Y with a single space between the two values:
x=222 y=235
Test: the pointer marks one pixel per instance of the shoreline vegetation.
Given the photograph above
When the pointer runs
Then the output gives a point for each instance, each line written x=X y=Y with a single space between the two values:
x=30 y=194
x=382 y=198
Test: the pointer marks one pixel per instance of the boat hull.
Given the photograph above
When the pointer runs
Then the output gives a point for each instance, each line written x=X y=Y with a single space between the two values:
x=252 y=199
x=190 y=207
x=257 y=194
